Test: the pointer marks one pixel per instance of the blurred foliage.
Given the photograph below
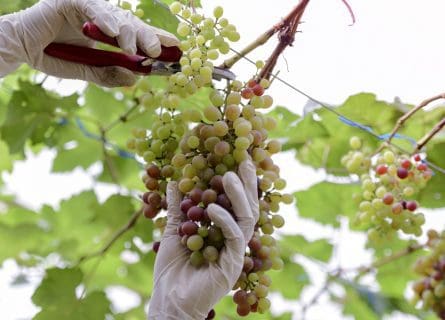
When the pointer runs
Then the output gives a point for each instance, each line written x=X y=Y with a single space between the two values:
x=84 y=129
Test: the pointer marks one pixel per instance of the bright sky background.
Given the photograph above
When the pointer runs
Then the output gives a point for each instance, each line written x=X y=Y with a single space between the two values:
x=396 y=48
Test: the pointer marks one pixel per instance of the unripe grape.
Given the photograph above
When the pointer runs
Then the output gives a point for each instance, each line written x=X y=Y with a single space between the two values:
x=183 y=29
x=197 y=259
x=176 y=7
x=277 y=221
x=126 y=5
x=212 y=113
x=355 y=143
x=195 y=242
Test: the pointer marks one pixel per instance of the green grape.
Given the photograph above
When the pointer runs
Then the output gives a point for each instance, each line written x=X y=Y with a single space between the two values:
x=195 y=242
x=183 y=29
x=176 y=7
x=218 y=12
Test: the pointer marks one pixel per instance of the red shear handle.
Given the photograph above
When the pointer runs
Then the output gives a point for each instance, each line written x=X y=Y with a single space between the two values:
x=168 y=54
x=96 y=57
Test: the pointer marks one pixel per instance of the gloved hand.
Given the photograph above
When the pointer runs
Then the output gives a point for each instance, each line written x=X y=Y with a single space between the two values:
x=25 y=34
x=184 y=292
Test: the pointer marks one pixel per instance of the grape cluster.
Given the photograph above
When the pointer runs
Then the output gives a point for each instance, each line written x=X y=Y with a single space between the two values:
x=196 y=148
x=233 y=131
x=431 y=289
x=389 y=183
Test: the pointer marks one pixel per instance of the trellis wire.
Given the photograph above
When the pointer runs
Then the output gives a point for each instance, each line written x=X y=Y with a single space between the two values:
x=348 y=121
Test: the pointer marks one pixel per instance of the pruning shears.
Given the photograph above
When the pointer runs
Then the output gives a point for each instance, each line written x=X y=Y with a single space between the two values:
x=165 y=64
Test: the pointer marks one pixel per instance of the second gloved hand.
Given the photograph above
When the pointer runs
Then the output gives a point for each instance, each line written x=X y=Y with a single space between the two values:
x=184 y=292
x=24 y=36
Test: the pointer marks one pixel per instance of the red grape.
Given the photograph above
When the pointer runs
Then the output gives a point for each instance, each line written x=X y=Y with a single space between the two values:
x=411 y=205
x=153 y=171
x=258 y=90
x=402 y=173
x=388 y=198
x=189 y=228
x=186 y=204
x=381 y=169
x=195 y=213
x=406 y=163
x=247 y=93
x=156 y=245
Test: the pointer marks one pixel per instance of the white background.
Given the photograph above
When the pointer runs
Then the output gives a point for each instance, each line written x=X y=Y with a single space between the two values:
x=396 y=48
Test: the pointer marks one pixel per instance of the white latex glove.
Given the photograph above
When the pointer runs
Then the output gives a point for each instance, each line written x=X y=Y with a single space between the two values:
x=25 y=34
x=184 y=292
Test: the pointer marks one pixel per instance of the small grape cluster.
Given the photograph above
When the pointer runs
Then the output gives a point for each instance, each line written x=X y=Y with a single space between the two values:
x=389 y=184
x=431 y=289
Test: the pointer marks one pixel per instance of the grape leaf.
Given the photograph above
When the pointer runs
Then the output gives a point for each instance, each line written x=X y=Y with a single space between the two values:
x=32 y=114
x=102 y=104
x=291 y=280
x=433 y=195
x=319 y=249
x=364 y=303
x=325 y=201
x=125 y=170
x=75 y=149
x=56 y=296
x=159 y=15
x=286 y=120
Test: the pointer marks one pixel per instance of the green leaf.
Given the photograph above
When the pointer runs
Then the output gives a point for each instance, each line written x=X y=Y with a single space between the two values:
x=325 y=201
x=132 y=314
x=82 y=225
x=102 y=104
x=321 y=139
x=289 y=281
x=125 y=171
x=56 y=296
x=433 y=195
x=353 y=304
x=159 y=15
x=14 y=6
x=32 y=114
x=319 y=249
x=364 y=303
x=286 y=120
x=114 y=271
x=24 y=237
x=75 y=149
x=5 y=159
x=58 y=287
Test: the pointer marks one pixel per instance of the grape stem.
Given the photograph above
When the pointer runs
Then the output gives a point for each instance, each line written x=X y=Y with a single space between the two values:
x=422 y=142
x=120 y=232
x=388 y=259
x=408 y=115
x=286 y=36
x=286 y=28
x=316 y=297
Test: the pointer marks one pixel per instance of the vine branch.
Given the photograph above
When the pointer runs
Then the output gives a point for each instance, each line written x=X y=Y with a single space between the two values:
x=422 y=142
x=409 y=114
x=287 y=24
x=388 y=259
x=286 y=36
x=130 y=224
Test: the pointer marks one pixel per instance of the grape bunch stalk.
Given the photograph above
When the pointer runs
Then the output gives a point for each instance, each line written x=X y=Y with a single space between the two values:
x=430 y=291
x=390 y=181
x=197 y=147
